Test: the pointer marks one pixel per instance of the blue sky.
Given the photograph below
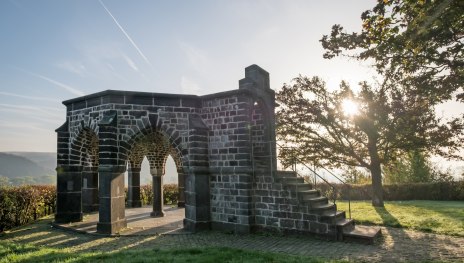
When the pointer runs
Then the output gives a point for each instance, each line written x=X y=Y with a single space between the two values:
x=52 y=50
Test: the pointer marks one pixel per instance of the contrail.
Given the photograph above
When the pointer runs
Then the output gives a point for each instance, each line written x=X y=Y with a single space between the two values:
x=125 y=33
x=28 y=97
x=59 y=84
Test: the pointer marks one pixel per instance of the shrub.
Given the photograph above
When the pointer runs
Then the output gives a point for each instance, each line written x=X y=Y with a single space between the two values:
x=170 y=194
x=20 y=205
x=438 y=191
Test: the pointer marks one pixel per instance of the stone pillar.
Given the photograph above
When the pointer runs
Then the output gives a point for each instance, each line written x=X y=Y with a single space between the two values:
x=69 y=194
x=181 y=188
x=112 y=205
x=133 y=189
x=157 y=176
x=197 y=173
x=90 y=189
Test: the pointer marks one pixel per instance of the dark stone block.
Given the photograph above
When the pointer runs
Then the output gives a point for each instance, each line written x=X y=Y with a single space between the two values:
x=93 y=102
x=140 y=100
x=287 y=223
x=111 y=228
x=272 y=221
x=196 y=226
x=163 y=101
x=318 y=228
x=119 y=99
x=68 y=217
x=279 y=214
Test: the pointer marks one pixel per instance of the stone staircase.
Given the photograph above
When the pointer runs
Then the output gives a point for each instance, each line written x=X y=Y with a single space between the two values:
x=346 y=229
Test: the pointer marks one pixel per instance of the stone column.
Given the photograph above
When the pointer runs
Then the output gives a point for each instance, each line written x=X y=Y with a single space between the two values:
x=90 y=189
x=69 y=194
x=112 y=205
x=157 y=176
x=181 y=188
x=197 y=173
x=133 y=189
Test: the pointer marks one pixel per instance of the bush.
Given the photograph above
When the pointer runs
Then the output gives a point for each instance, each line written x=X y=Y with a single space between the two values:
x=20 y=205
x=170 y=194
x=439 y=191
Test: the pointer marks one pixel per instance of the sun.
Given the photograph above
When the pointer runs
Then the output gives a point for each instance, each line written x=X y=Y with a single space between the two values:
x=349 y=107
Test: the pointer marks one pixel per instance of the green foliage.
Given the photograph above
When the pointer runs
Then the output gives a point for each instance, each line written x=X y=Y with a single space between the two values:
x=440 y=191
x=389 y=122
x=413 y=43
x=11 y=252
x=22 y=204
x=418 y=50
x=414 y=167
x=170 y=194
x=441 y=217
x=356 y=176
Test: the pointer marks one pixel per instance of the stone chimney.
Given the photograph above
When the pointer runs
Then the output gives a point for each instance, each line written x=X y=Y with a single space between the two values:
x=255 y=77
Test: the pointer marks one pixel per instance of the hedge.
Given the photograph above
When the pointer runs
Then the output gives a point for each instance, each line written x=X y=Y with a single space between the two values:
x=170 y=194
x=442 y=191
x=20 y=205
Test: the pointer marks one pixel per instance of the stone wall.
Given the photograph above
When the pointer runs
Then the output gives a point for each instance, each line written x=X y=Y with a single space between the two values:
x=223 y=145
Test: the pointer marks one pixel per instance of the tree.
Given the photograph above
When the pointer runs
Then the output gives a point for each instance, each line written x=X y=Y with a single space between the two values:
x=415 y=43
x=356 y=176
x=411 y=167
x=386 y=123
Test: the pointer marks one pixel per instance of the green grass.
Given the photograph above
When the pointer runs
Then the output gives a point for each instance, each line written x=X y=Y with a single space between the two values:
x=442 y=217
x=11 y=252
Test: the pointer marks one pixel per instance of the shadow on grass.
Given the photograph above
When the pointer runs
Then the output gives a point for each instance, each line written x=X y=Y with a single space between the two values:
x=387 y=218
x=23 y=254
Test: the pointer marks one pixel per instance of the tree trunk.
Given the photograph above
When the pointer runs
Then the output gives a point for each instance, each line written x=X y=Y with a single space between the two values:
x=376 y=173
x=377 y=190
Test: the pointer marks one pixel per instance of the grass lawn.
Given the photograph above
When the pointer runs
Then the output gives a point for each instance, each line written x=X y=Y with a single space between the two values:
x=38 y=242
x=11 y=252
x=442 y=217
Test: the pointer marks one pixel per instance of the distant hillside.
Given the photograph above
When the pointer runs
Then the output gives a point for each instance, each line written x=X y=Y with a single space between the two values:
x=14 y=166
x=39 y=168
x=45 y=159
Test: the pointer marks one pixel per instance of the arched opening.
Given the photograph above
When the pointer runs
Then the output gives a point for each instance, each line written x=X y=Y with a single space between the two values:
x=154 y=165
x=86 y=144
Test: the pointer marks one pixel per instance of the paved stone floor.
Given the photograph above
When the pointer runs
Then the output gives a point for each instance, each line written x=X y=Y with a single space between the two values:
x=139 y=222
x=395 y=245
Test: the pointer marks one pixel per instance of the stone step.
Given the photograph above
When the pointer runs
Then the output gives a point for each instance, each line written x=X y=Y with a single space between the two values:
x=362 y=234
x=311 y=193
x=324 y=209
x=315 y=201
x=286 y=174
x=344 y=225
x=297 y=186
x=290 y=180
x=332 y=218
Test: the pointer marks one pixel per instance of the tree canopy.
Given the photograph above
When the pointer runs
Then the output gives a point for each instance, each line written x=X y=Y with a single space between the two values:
x=386 y=123
x=419 y=43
